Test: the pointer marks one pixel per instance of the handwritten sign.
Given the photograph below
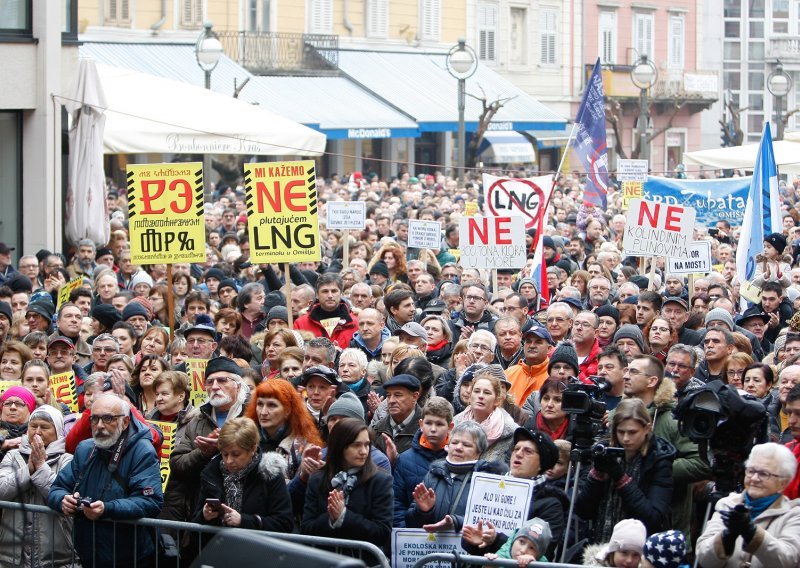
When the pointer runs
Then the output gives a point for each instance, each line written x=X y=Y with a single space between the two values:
x=525 y=198
x=632 y=170
x=657 y=229
x=282 y=217
x=424 y=234
x=503 y=500
x=168 y=429
x=346 y=215
x=631 y=190
x=699 y=260
x=66 y=290
x=64 y=390
x=492 y=242
x=409 y=545
x=197 y=375
x=165 y=208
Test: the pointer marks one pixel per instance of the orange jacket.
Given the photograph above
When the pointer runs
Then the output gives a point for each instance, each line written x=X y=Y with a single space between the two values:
x=525 y=379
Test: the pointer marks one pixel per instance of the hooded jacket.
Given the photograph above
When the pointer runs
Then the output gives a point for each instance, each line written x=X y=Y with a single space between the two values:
x=358 y=343
x=589 y=365
x=409 y=470
x=343 y=332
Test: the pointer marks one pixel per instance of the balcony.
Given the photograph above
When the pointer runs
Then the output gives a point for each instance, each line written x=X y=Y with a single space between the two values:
x=272 y=53
x=693 y=87
x=784 y=47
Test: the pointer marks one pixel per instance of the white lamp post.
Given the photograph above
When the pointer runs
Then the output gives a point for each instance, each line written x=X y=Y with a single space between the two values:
x=779 y=83
x=644 y=75
x=462 y=62
x=208 y=51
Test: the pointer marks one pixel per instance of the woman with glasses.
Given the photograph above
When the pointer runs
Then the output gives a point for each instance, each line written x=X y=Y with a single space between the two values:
x=759 y=527
x=17 y=405
x=734 y=368
x=660 y=335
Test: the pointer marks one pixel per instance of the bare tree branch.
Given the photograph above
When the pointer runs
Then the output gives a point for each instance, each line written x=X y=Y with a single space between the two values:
x=490 y=109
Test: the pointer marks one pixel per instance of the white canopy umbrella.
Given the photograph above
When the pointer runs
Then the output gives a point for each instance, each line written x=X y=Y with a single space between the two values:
x=149 y=114
x=85 y=210
x=787 y=156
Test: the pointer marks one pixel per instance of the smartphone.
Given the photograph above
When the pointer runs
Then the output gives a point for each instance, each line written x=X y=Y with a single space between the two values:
x=213 y=504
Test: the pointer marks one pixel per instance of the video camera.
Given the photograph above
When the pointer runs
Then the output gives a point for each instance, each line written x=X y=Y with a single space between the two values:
x=582 y=402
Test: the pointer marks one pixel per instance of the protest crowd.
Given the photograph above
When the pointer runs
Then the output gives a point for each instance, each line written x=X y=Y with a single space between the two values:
x=651 y=417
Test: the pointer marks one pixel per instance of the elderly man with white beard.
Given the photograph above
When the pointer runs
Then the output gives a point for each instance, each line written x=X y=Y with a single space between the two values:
x=226 y=393
x=114 y=475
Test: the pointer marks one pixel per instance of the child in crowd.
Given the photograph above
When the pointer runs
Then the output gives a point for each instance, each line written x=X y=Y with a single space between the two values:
x=624 y=548
x=559 y=471
x=528 y=543
x=666 y=550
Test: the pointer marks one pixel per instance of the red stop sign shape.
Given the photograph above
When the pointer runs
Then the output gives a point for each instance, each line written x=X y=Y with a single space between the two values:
x=531 y=220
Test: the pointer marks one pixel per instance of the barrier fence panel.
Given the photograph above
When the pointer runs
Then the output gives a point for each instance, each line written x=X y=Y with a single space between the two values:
x=38 y=517
x=454 y=559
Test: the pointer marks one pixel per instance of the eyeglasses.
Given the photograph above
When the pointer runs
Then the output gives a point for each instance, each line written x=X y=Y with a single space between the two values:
x=219 y=380
x=104 y=350
x=198 y=341
x=765 y=475
x=583 y=324
x=556 y=320
x=474 y=299
x=663 y=329
x=14 y=404
x=733 y=373
x=481 y=347
x=105 y=418
x=680 y=366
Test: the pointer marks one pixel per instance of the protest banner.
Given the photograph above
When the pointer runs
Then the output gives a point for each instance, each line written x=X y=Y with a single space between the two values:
x=282 y=217
x=492 y=242
x=66 y=290
x=657 y=229
x=524 y=197
x=5 y=385
x=197 y=376
x=409 y=545
x=713 y=199
x=346 y=215
x=503 y=500
x=424 y=234
x=64 y=390
x=165 y=211
x=168 y=429
x=699 y=260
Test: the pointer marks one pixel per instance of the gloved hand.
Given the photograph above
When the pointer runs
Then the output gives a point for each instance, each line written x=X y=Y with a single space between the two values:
x=739 y=522
x=728 y=542
x=610 y=466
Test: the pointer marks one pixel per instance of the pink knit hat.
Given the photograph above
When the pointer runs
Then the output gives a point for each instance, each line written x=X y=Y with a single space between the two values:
x=21 y=393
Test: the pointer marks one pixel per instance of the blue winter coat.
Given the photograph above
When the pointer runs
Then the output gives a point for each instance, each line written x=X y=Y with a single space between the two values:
x=88 y=474
x=409 y=469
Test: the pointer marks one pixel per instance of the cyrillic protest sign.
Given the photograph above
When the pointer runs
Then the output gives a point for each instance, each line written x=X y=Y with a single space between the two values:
x=492 y=242
x=197 y=376
x=165 y=210
x=424 y=234
x=346 y=215
x=282 y=217
x=699 y=260
x=64 y=390
x=66 y=290
x=656 y=229
x=517 y=196
x=168 y=429
x=409 y=545
x=503 y=500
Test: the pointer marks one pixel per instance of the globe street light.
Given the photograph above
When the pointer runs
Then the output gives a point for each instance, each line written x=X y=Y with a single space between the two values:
x=779 y=83
x=644 y=75
x=462 y=63
x=208 y=51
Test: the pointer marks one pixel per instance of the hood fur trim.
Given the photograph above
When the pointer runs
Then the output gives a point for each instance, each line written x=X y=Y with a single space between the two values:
x=272 y=465
x=665 y=394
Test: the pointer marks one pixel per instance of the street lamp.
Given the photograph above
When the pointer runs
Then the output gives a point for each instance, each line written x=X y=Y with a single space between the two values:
x=644 y=75
x=779 y=83
x=208 y=51
x=462 y=63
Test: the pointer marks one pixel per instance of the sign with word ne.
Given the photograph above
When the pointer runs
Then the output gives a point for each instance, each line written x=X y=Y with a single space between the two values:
x=64 y=390
x=500 y=499
x=282 y=217
x=197 y=376
x=66 y=290
x=168 y=429
x=526 y=197
x=632 y=170
x=346 y=215
x=699 y=260
x=712 y=199
x=631 y=190
x=470 y=208
x=492 y=242
x=165 y=211
x=409 y=545
x=657 y=229
x=424 y=234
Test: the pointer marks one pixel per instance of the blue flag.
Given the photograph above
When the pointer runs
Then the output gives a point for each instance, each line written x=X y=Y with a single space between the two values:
x=762 y=215
x=590 y=140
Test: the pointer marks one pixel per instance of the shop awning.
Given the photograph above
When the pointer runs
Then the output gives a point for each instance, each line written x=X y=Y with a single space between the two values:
x=787 y=156
x=506 y=148
x=333 y=105
x=420 y=85
x=551 y=138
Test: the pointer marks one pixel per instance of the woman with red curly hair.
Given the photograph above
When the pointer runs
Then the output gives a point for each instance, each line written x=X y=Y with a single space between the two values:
x=285 y=426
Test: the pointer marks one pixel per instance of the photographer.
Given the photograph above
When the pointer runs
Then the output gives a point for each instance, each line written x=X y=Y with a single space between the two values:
x=631 y=477
x=759 y=527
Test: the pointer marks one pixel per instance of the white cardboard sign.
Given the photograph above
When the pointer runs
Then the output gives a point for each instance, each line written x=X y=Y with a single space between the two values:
x=346 y=215
x=524 y=197
x=503 y=500
x=632 y=170
x=699 y=260
x=492 y=242
x=658 y=229
x=409 y=545
x=424 y=234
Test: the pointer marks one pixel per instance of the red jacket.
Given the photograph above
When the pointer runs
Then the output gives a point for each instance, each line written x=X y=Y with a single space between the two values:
x=341 y=334
x=589 y=365
x=82 y=430
x=792 y=490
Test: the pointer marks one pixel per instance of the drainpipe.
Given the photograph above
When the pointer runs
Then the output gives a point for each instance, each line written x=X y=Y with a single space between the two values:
x=157 y=26
x=347 y=25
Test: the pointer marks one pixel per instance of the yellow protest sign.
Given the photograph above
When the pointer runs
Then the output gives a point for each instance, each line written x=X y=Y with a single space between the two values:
x=197 y=375
x=168 y=429
x=631 y=190
x=5 y=385
x=330 y=324
x=749 y=292
x=66 y=290
x=63 y=387
x=282 y=217
x=165 y=208
x=470 y=208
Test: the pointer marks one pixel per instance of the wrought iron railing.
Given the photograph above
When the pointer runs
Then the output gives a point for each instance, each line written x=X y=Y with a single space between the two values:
x=269 y=53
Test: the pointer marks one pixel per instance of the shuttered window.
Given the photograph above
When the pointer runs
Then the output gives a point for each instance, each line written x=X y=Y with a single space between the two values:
x=117 y=12
x=676 y=51
x=487 y=32
x=548 y=27
x=643 y=35
x=377 y=18
x=431 y=20
x=191 y=13
x=320 y=16
x=607 y=38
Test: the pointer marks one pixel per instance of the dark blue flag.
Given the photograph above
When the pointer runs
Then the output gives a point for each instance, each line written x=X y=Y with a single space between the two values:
x=590 y=140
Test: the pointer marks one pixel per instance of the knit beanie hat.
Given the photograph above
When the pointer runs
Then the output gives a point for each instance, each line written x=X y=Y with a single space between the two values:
x=718 y=314
x=215 y=273
x=607 y=310
x=145 y=303
x=537 y=531
x=140 y=277
x=106 y=314
x=628 y=535
x=777 y=240
x=565 y=353
x=630 y=331
x=134 y=309
x=348 y=406
x=278 y=313
x=780 y=342
x=21 y=393
x=380 y=268
x=227 y=283
x=665 y=549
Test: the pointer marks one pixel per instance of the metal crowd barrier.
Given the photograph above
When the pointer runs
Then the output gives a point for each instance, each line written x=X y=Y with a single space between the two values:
x=455 y=559
x=371 y=555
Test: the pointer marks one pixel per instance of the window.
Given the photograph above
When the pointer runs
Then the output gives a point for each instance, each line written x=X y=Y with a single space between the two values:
x=192 y=13
x=378 y=18
x=487 y=30
x=320 y=16
x=518 y=37
x=11 y=179
x=117 y=12
x=15 y=17
x=643 y=35
x=431 y=19
x=69 y=22
x=548 y=26
x=608 y=38
x=675 y=46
